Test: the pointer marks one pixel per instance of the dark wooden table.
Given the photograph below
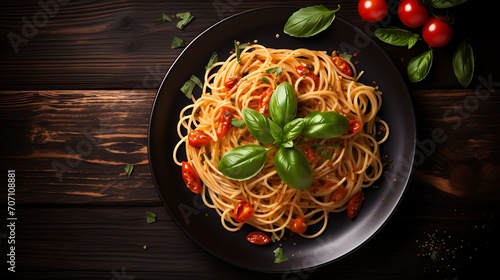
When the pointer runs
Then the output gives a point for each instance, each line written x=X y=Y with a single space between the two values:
x=77 y=84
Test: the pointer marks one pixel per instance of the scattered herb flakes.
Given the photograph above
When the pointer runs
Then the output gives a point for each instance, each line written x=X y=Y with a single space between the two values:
x=150 y=217
x=177 y=43
x=185 y=17
x=279 y=255
x=164 y=18
x=128 y=169
x=189 y=85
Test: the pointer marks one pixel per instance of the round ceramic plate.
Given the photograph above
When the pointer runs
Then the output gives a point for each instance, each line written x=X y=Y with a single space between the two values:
x=342 y=235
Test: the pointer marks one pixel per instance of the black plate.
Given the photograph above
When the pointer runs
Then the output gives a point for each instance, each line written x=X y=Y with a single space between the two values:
x=343 y=235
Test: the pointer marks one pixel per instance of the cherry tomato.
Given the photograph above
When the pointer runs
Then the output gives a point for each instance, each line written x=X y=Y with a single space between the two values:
x=354 y=126
x=190 y=177
x=229 y=84
x=258 y=237
x=342 y=65
x=264 y=100
x=354 y=205
x=412 y=13
x=372 y=10
x=437 y=32
x=298 y=225
x=306 y=70
x=243 y=211
x=339 y=193
x=223 y=121
x=198 y=138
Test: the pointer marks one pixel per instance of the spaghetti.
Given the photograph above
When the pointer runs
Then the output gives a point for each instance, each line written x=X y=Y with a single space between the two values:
x=341 y=166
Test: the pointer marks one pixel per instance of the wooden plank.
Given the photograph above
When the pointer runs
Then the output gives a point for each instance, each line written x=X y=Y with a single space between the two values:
x=117 y=45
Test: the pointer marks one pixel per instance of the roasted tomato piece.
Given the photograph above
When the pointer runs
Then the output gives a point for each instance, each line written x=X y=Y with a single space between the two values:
x=198 y=138
x=191 y=178
x=355 y=204
x=354 y=126
x=342 y=65
x=243 y=211
x=264 y=100
x=298 y=225
x=223 y=121
x=258 y=238
x=229 y=84
x=306 y=70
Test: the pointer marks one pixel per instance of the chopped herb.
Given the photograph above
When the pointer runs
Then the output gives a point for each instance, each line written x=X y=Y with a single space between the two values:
x=264 y=80
x=164 y=18
x=276 y=70
x=213 y=59
x=189 y=85
x=150 y=217
x=238 y=48
x=186 y=18
x=238 y=123
x=177 y=43
x=279 y=255
x=128 y=169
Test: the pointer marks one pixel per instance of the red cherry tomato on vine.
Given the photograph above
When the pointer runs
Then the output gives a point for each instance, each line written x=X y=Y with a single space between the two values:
x=354 y=205
x=412 y=13
x=258 y=238
x=243 y=211
x=190 y=177
x=437 y=32
x=372 y=10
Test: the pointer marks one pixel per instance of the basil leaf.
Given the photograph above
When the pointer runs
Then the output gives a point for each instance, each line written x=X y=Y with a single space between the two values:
x=243 y=162
x=293 y=129
x=164 y=18
x=213 y=59
x=463 y=63
x=128 y=169
x=177 y=43
x=443 y=4
x=276 y=70
x=283 y=104
x=186 y=18
x=189 y=85
x=150 y=217
x=258 y=125
x=238 y=123
x=238 y=48
x=419 y=66
x=396 y=36
x=309 y=21
x=277 y=133
x=324 y=125
x=293 y=168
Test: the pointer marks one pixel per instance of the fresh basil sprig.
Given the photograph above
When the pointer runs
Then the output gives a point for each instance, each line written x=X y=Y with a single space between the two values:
x=309 y=21
x=463 y=63
x=396 y=36
x=419 y=66
x=244 y=162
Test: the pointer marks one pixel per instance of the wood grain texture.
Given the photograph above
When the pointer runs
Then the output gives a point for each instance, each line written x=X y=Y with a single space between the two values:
x=116 y=45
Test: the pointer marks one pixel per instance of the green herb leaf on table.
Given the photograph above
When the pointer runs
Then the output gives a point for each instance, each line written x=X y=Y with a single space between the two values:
x=443 y=4
x=128 y=169
x=150 y=217
x=164 y=18
x=419 y=66
x=463 y=63
x=396 y=36
x=177 y=43
x=309 y=21
x=185 y=17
